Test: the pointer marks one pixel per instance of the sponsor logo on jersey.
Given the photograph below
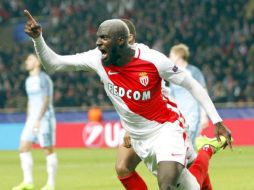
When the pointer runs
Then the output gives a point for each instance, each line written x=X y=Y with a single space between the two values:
x=176 y=154
x=130 y=94
x=143 y=78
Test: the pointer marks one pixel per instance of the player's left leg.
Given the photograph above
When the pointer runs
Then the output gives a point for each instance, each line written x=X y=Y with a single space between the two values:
x=168 y=174
x=164 y=154
x=170 y=148
x=26 y=161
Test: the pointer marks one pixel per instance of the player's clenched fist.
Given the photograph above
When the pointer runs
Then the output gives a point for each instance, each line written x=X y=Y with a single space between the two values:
x=32 y=28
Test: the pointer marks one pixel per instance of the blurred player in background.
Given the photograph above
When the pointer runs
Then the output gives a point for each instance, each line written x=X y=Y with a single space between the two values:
x=126 y=73
x=40 y=124
x=187 y=104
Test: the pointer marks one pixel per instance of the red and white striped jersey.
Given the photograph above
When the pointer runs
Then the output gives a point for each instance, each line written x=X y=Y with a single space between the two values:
x=134 y=89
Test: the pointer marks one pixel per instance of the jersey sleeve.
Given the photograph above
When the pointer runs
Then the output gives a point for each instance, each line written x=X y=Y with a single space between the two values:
x=168 y=71
x=52 y=61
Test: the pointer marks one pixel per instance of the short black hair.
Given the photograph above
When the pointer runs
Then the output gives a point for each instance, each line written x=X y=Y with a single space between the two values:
x=130 y=25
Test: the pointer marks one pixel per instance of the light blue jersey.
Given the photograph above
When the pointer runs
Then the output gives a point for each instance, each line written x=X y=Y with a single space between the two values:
x=38 y=87
x=186 y=103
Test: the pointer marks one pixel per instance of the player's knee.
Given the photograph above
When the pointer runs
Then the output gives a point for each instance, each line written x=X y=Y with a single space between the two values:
x=48 y=150
x=166 y=186
x=167 y=183
x=121 y=169
x=24 y=148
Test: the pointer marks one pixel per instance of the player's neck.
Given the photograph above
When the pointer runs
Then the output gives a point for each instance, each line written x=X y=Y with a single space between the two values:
x=34 y=72
x=125 y=56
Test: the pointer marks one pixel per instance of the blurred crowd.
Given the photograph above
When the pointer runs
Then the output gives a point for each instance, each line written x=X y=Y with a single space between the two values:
x=219 y=34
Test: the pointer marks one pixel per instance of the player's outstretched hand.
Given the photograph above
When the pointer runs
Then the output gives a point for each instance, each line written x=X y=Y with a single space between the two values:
x=221 y=130
x=32 y=28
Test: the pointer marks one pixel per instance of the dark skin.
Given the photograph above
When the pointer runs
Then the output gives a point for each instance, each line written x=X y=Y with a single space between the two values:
x=112 y=40
x=221 y=130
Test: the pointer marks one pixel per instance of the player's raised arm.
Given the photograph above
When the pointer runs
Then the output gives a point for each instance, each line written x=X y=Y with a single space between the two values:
x=173 y=74
x=53 y=61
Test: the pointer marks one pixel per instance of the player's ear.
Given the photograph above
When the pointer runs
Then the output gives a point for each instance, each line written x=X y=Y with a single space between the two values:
x=130 y=38
x=121 y=41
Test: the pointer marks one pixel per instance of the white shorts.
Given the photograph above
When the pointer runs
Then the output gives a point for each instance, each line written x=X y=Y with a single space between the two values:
x=46 y=134
x=167 y=145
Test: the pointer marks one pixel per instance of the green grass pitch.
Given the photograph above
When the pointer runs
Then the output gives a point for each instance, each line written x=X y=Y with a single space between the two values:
x=93 y=169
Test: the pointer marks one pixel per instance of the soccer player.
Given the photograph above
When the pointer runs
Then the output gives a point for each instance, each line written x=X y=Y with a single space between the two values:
x=39 y=126
x=132 y=80
x=186 y=103
x=127 y=159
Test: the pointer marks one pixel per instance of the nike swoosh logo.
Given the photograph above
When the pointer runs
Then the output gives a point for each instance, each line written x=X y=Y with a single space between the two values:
x=176 y=154
x=112 y=73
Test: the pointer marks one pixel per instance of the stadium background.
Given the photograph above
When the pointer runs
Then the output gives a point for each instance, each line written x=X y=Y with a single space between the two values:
x=220 y=37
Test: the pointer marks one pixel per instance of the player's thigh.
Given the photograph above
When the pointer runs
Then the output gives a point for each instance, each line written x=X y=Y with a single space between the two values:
x=126 y=159
x=169 y=173
x=27 y=137
x=27 y=134
x=46 y=135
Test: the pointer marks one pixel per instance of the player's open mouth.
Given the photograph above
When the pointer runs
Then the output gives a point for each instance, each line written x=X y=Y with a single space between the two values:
x=104 y=54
